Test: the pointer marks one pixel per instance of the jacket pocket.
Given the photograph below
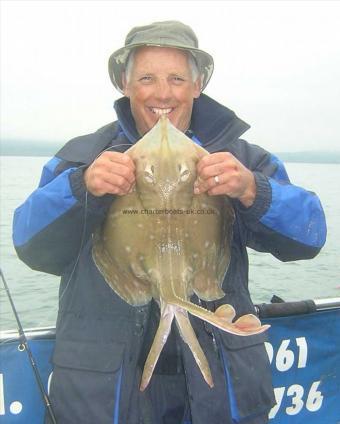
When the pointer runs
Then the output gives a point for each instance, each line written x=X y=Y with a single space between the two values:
x=91 y=356
x=248 y=375
x=86 y=382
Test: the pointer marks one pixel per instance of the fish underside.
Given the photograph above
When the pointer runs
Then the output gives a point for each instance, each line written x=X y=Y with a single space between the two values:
x=161 y=241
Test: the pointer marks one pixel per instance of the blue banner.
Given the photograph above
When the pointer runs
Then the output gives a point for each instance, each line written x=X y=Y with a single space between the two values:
x=20 y=399
x=304 y=351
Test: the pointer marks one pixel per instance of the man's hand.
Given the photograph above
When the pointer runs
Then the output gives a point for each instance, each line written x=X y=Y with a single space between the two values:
x=233 y=178
x=111 y=172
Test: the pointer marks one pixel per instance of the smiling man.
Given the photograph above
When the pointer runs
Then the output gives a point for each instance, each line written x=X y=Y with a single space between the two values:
x=160 y=81
x=102 y=341
x=164 y=80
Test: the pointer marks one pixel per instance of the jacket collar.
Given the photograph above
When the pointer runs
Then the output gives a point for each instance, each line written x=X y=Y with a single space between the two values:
x=212 y=123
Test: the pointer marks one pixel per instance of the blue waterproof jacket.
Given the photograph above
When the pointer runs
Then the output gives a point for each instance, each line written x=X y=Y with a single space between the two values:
x=101 y=340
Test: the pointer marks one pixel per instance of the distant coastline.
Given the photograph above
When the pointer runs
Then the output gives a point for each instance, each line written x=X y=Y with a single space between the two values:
x=13 y=147
x=310 y=156
x=33 y=148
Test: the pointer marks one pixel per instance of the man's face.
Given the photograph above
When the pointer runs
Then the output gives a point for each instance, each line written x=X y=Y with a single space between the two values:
x=161 y=82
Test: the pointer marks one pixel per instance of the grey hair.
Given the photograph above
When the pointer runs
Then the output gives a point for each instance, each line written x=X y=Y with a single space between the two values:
x=191 y=61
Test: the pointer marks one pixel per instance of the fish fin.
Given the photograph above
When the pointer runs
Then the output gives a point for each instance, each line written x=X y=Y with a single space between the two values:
x=117 y=252
x=249 y=323
x=158 y=343
x=226 y=313
x=133 y=290
x=189 y=337
x=210 y=293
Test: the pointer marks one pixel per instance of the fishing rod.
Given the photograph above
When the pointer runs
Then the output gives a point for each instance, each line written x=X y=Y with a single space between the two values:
x=24 y=342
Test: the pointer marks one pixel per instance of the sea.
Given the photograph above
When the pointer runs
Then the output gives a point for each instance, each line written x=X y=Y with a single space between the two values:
x=35 y=294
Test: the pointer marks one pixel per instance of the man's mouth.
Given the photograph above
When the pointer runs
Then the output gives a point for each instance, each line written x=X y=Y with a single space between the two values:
x=159 y=111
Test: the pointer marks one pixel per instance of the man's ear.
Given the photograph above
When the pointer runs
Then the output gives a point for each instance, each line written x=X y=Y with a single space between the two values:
x=197 y=87
x=126 y=90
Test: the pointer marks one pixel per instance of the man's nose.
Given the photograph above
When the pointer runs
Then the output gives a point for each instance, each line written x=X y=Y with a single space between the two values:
x=163 y=90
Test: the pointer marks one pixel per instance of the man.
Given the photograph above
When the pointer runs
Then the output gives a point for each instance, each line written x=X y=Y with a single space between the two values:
x=101 y=341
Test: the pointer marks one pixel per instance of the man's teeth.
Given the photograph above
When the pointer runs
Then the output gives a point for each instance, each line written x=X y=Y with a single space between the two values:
x=160 y=111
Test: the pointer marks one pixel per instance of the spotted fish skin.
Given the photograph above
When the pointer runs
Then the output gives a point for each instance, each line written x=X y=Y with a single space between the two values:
x=161 y=241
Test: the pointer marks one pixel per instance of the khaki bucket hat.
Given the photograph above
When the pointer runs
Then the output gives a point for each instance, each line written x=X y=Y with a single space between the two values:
x=161 y=34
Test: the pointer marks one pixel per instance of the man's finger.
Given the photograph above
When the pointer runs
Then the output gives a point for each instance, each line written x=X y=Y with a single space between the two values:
x=212 y=170
x=120 y=158
x=214 y=158
x=123 y=171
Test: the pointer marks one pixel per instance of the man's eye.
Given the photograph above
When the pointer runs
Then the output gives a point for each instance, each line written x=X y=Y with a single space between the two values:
x=146 y=78
x=177 y=80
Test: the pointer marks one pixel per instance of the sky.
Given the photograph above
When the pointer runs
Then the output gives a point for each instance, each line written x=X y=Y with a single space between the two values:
x=277 y=65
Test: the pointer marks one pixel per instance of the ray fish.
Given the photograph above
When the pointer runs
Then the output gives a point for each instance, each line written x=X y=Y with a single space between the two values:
x=162 y=241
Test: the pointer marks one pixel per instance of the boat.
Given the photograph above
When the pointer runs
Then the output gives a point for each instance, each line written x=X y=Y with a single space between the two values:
x=303 y=349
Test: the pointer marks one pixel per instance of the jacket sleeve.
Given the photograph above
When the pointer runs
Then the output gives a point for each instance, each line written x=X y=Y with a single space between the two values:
x=52 y=225
x=285 y=220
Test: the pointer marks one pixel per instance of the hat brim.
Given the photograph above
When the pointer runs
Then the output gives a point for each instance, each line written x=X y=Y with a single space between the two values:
x=117 y=60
